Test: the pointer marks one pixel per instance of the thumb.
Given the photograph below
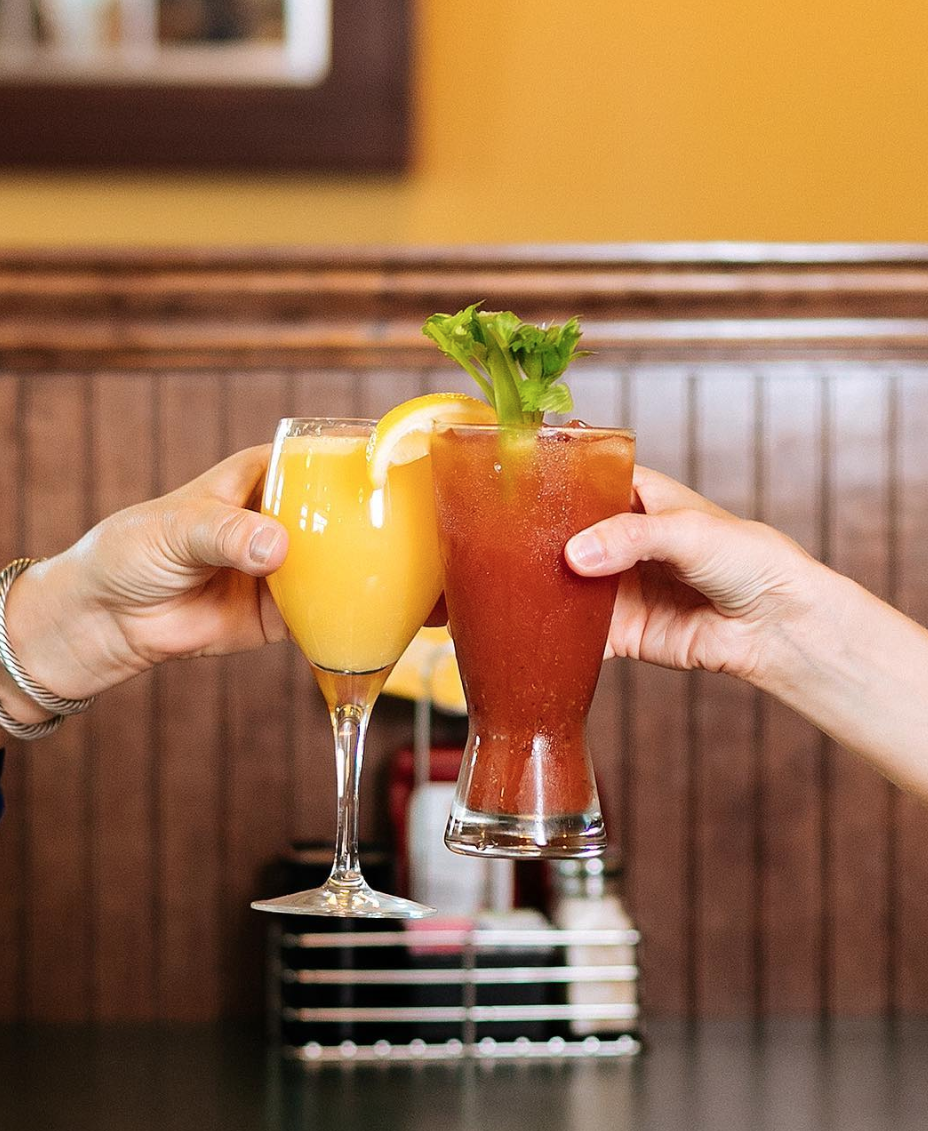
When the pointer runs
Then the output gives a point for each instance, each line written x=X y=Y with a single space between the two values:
x=680 y=538
x=220 y=535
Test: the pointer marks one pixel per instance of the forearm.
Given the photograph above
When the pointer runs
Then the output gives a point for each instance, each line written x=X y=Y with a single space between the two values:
x=857 y=669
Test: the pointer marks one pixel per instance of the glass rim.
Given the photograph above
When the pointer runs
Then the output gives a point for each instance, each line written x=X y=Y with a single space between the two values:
x=356 y=420
x=318 y=427
x=578 y=429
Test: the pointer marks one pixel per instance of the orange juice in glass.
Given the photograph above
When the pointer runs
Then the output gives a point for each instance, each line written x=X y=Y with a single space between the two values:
x=361 y=575
x=362 y=571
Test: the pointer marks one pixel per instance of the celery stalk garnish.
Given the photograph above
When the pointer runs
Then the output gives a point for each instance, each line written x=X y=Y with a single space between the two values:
x=518 y=366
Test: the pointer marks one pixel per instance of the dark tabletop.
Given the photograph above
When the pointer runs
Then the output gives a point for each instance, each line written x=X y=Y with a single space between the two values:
x=784 y=1076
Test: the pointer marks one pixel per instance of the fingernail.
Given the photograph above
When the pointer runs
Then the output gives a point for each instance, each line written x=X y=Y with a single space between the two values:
x=585 y=550
x=262 y=544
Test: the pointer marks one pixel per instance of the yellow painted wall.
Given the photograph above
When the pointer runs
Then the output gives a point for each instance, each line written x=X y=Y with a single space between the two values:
x=590 y=120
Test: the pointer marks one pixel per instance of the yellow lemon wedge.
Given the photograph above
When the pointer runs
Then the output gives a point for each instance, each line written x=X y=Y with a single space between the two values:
x=404 y=434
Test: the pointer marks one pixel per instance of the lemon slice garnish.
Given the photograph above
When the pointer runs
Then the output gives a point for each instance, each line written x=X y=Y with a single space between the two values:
x=404 y=434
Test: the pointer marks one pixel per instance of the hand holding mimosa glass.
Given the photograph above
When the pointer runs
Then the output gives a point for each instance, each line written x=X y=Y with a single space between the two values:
x=363 y=571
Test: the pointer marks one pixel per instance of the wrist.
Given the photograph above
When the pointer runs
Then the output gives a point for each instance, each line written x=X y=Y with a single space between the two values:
x=62 y=639
x=858 y=669
x=806 y=639
x=17 y=704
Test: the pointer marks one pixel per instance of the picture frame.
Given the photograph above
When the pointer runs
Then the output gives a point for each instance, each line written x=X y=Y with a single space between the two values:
x=343 y=107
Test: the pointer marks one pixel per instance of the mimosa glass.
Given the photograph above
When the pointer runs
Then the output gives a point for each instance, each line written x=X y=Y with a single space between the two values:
x=361 y=575
x=528 y=632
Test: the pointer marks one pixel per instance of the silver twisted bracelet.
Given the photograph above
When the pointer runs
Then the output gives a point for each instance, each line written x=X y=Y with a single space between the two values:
x=39 y=694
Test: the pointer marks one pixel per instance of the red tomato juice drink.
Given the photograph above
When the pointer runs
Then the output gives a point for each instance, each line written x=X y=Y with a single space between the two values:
x=528 y=632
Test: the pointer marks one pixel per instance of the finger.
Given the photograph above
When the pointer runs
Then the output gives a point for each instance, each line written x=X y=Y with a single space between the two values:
x=683 y=539
x=215 y=534
x=657 y=493
x=237 y=479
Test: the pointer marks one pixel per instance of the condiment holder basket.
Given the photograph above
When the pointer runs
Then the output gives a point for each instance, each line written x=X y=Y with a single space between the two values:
x=386 y=995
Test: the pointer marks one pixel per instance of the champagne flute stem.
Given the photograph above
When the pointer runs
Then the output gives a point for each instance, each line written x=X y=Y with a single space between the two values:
x=349 y=723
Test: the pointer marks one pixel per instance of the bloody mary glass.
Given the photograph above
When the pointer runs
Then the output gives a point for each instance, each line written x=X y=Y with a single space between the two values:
x=528 y=632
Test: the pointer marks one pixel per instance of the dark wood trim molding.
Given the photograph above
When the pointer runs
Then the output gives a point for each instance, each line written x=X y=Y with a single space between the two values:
x=364 y=307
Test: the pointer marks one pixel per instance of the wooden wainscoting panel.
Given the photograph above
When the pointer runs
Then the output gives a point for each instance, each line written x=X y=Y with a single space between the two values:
x=909 y=861
x=723 y=403
x=448 y=378
x=858 y=805
x=323 y=392
x=659 y=703
x=379 y=391
x=768 y=872
x=59 y=881
x=790 y=795
x=124 y=831
x=14 y=824
x=257 y=781
x=190 y=733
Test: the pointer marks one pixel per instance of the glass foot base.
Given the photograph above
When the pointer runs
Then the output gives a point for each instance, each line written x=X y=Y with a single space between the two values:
x=347 y=901
x=472 y=833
